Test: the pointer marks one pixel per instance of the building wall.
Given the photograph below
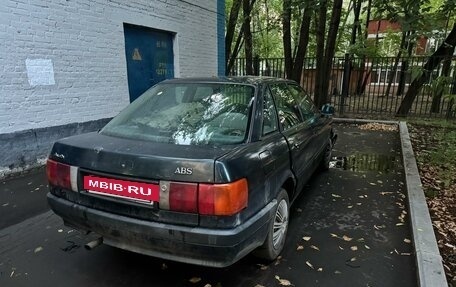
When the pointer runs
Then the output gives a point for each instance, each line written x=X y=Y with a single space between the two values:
x=63 y=62
x=83 y=42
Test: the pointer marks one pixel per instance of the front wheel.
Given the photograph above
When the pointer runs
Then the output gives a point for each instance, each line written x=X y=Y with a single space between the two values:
x=277 y=232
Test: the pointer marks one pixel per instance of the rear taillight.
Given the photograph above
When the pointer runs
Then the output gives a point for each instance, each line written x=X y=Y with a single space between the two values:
x=222 y=199
x=206 y=199
x=183 y=197
x=61 y=175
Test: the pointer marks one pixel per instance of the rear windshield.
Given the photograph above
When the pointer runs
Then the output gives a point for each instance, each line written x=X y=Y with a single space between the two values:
x=187 y=114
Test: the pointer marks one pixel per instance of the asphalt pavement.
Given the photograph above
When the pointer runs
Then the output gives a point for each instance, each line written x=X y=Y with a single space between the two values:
x=349 y=228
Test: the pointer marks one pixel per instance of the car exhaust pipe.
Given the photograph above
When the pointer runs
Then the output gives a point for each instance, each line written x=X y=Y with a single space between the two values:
x=92 y=244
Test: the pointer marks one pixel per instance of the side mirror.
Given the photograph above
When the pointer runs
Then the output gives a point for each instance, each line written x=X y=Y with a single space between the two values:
x=327 y=110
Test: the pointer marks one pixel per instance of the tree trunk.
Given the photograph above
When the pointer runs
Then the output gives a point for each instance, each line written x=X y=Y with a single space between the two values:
x=404 y=68
x=236 y=50
x=230 y=29
x=248 y=44
x=320 y=29
x=357 y=10
x=348 y=63
x=302 y=45
x=433 y=61
x=330 y=50
x=286 y=37
x=359 y=86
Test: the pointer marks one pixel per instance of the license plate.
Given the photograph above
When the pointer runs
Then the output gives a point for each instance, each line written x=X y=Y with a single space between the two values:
x=140 y=191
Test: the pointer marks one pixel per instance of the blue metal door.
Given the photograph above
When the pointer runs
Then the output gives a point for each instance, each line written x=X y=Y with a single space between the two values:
x=149 y=56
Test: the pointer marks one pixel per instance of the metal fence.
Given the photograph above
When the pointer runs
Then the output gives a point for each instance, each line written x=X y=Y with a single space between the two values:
x=376 y=86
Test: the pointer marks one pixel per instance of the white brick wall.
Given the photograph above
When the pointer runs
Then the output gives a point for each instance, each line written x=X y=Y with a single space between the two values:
x=84 y=40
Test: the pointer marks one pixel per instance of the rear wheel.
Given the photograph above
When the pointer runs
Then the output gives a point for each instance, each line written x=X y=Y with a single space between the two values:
x=277 y=232
x=327 y=154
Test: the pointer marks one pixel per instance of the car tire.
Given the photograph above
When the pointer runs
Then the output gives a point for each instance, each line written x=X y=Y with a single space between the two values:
x=326 y=157
x=277 y=230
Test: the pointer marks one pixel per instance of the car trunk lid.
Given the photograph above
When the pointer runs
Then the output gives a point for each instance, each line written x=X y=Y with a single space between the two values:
x=138 y=159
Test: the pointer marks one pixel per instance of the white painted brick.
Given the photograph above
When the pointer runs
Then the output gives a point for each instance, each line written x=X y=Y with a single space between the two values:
x=85 y=41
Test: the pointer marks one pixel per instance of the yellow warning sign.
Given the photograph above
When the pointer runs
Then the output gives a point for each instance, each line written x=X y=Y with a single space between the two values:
x=136 y=55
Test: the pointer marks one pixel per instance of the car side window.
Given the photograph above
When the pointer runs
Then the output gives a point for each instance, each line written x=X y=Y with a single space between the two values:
x=269 y=114
x=308 y=108
x=287 y=108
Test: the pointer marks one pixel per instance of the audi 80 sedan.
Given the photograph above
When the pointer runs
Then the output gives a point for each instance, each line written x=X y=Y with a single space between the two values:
x=198 y=170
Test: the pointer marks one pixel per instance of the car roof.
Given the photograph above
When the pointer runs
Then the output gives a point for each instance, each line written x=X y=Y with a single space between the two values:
x=252 y=80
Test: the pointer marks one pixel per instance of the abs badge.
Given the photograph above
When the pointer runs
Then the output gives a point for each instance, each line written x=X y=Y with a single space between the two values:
x=183 y=170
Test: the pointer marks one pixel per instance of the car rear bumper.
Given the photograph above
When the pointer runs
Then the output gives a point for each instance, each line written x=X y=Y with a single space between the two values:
x=195 y=245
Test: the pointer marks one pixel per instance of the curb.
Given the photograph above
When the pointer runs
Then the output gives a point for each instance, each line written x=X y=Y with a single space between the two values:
x=428 y=260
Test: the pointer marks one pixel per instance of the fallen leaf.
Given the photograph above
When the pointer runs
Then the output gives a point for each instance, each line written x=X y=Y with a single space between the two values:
x=350 y=206
x=300 y=247
x=354 y=248
x=379 y=181
x=399 y=224
x=353 y=259
x=360 y=239
x=314 y=247
x=334 y=235
x=306 y=238
x=60 y=230
x=320 y=269
x=341 y=248
x=406 y=240
x=262 y=266
x=336 y=195
x=449 y=245
x=38 y=249
x=346 y=238
x=372 y=183
x=283 y=282
x=405 y=254
x=309 y=264
x=385 y=193
x=195 y=280
x=367 y=247
x=337 y=272
x=208 y=285
x=299 y=210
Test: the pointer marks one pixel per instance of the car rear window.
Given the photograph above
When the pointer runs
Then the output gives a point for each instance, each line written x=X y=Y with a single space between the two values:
x=187 y=114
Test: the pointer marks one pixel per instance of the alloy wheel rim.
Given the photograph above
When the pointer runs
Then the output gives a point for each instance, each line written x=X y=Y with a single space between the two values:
x=280 y=224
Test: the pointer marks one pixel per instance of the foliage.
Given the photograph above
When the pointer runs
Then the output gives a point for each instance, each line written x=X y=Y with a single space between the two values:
x=416 y=72
x=441 y=86
x=426 y=18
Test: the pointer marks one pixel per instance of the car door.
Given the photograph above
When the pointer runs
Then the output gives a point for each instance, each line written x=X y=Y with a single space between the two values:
x=297 y=132
x=312 y=116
